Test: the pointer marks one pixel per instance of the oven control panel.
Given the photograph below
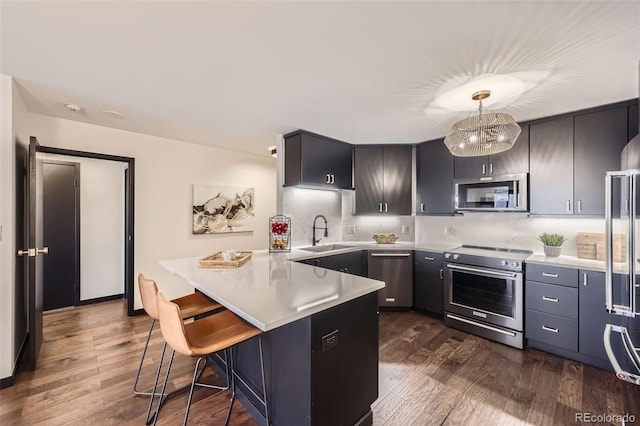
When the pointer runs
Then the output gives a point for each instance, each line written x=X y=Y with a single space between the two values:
x=493 y=262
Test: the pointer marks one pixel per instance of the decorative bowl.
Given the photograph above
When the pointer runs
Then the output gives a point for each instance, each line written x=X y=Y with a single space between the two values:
x=388 y=238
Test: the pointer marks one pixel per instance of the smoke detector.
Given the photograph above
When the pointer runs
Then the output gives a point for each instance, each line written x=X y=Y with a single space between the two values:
x=73 y=107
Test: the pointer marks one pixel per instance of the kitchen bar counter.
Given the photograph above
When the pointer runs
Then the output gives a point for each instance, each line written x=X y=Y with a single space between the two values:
x=320 y=342
x=270 y=290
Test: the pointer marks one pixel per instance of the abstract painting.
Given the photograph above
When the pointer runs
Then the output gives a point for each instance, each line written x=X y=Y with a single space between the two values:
x=223 y=209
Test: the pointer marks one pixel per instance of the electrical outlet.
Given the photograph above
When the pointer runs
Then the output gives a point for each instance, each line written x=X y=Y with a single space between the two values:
x=448 y=230
x=351 y=229
x=405 y=229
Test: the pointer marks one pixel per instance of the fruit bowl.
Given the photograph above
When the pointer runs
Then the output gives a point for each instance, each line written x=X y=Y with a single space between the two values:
x=388 y=238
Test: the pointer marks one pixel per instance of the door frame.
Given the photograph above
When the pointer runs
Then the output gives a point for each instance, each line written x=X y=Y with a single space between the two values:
x=76 y=213
x=129 y=213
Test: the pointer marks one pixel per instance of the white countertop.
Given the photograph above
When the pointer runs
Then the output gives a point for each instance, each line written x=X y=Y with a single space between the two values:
x=270 y=290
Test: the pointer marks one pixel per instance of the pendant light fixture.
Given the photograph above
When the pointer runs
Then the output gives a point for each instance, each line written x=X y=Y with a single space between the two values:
x=483 y=133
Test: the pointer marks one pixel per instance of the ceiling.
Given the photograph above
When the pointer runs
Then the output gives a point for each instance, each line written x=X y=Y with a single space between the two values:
x=237 y=74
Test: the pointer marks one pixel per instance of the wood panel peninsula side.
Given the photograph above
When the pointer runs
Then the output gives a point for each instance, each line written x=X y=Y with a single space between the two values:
x=320 y=341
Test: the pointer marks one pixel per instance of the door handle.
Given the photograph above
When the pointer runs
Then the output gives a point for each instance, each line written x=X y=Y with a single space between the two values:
x=385 y=207
x=44 y=250
x=422 y=207
x=333 y=178
x=569 y=206
x=546 y=274
x=490 y=168
x=27 y=252
x=429 y=258
x=484 y=169
x=380 y=207
x=441 y=274
x=550 y=299
x=328 y=178
x=551 y=329
x=579 y=206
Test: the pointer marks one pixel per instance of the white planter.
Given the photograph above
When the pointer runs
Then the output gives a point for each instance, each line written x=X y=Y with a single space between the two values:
x=552 y=251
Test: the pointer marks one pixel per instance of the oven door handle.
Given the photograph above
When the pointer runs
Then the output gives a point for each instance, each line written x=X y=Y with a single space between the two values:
x=481 y=271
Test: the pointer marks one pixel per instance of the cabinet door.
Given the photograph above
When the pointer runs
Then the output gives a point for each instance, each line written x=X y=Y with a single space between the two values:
x=428 y=282
x=368 y=163
x=470 y=167
x=341 y=164
x=599 y=138
x=315 y=159
x=551 y=167
x=633 y=121
x=593 y=315
x=514 y=160
x=397 y=180
x=434 y=178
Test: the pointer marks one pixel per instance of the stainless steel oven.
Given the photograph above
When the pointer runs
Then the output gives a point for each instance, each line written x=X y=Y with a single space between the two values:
x=484 y=292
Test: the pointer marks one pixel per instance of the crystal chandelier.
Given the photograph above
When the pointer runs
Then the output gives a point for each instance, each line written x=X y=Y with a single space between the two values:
x=483 y=133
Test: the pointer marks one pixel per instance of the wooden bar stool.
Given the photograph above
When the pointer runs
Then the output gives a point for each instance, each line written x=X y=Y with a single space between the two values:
x=202 y=338
x=190 y=305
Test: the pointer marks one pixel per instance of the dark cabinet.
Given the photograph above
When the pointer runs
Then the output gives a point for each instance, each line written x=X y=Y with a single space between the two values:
x=428 y=281
x=354 y=263
x=593 y=314
x=395 y=268
x=382 y=179
x=434 y=172
x=633 y=122
x=551 y=167
x=512 y=161
x=599 y=138
x=316 y=160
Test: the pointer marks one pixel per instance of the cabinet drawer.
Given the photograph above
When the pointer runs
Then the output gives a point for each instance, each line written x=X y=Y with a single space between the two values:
x=552 y=299
x=428 y=257
x=552 y=329
x=552 y=274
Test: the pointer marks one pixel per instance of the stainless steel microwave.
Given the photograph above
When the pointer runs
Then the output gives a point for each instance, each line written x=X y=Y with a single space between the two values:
x=491 y=193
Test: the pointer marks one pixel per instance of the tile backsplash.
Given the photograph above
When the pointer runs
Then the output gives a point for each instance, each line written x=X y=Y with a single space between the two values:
x=512 y=230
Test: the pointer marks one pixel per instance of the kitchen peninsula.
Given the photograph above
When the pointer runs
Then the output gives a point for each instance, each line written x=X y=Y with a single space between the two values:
x=320 y=341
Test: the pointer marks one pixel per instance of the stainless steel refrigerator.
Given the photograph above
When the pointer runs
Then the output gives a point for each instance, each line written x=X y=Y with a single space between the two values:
x=622 y=284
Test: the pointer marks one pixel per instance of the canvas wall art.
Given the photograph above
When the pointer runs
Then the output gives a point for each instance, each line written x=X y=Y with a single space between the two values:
x=223 y=209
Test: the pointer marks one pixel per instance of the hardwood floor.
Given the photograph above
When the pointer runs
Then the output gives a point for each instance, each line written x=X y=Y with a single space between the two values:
x=429 y=375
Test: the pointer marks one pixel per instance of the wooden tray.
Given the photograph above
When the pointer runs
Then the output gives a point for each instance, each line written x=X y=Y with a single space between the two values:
x=591 y=245
x=215 y=260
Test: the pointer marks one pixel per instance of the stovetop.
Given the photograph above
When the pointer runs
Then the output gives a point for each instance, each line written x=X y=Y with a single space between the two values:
x=490 y=257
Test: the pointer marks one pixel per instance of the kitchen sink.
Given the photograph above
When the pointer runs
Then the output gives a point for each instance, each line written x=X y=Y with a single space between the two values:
x=323 y=248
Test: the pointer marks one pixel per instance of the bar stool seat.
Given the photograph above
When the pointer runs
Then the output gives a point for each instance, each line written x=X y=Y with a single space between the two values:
x=203 y=337
x=191 y=306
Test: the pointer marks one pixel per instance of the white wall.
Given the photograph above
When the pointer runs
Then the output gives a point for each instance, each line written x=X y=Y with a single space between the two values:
x=101 y=225
x=13 y=314
x=165 y=171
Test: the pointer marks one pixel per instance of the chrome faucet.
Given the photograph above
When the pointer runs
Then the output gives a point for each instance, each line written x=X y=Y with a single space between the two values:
x=326 y=229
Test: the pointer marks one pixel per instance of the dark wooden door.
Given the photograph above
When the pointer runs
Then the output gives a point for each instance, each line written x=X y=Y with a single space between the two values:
x=434 y=178
x=397 y=180
x=599 y=138
x=428 y=281
x=36 y=252
x=551 y=167
x=341 y=164
x=470 y=167
x=315 y=159
x=368 y=164
x=61 y=235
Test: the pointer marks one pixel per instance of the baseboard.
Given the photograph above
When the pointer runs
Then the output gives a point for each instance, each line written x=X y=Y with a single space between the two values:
x=102 y=299
x=7 y=382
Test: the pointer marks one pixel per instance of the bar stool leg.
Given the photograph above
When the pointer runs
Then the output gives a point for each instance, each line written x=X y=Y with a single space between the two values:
x=193 y=385
x=233 y=387
x=155 y=385
x=144 y=352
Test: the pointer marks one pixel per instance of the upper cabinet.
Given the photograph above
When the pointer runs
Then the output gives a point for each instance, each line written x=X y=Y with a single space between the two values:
x=569 y=157
x=551 y=167
x=382 y=179
x=434 y=170
x=316 y=160
x=599 y=138
x=512 y=161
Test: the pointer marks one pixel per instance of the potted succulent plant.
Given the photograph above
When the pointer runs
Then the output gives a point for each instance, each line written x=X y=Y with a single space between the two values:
x=552 y=243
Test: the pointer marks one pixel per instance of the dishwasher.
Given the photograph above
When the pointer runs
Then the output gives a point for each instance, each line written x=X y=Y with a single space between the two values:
x=395 y=268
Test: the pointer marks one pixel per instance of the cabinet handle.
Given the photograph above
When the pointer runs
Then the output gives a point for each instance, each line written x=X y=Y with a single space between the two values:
x=584 y=279
x=328 y=178
x=550 y=299
x=346 y=270
x=490 y=168
x=333 y=178
x=484 y=169
x=385 y=207
x=551 y=329
x=390 y=299
x=546 y=274
x=422 y=207
x=380 y=207
x=429 y=258
x=569 y=206
x=579 y=206
x=441 y=274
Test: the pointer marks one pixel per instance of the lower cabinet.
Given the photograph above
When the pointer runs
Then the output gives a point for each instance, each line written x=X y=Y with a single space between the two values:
x=395 y=268
x=354 y=263
x=567 y=317
x=428 y=281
